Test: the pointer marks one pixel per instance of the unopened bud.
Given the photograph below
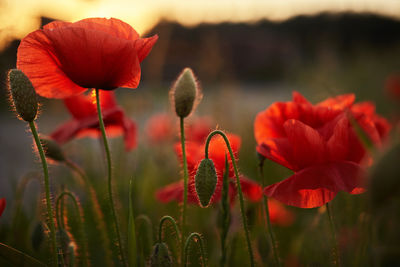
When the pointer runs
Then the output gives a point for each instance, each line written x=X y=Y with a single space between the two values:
x=184 y=93
x=161 y=256
x=205 y=181
x=52 y=149
x=23 y=95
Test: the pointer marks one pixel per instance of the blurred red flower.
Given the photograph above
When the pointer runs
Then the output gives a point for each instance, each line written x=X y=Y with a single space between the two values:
x=64 y=59
x=319 y=144
x=85 y=120
x=163 y=127
x=160 y=128
x=217 y=151
x=2 y=205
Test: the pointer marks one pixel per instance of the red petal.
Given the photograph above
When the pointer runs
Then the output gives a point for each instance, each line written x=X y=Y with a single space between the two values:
x=278 y=150
x=218 y=149
x=37 y=59
x=2 y=205
x=299 y=98
x=340 y=102
x=194 y=154
x=129 y=128
x=143 y=46
x=314 y=186
x=307 y=144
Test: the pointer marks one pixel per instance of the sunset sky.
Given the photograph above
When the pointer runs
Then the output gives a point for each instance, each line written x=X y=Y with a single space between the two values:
x=19 y=17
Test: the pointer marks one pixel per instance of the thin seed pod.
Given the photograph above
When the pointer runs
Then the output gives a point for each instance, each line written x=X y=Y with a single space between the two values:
x=198 y=239
x=205 y=181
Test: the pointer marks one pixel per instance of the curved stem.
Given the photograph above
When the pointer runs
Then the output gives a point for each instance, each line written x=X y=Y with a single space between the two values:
x=110 y=194
x=50 y=215
x=95 y=209
x=80 y=223
x=239 y=188
x=201 y=245
x=267 y=218
x=333 y=233
x=160 y=227
x=185 y=183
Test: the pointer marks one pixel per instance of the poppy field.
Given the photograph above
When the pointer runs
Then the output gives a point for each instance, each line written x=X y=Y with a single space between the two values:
x=307 y=181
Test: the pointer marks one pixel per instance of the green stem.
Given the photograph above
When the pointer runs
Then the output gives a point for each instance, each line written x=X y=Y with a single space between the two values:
x=267 y=217
x=201 y=245
x=185 y=185
x=50 y=215
x=110 y=194
x=239 y=188
x=225 y=212
x=80 y=223
x=95 y=209
x=160 y=227
x=333 y=233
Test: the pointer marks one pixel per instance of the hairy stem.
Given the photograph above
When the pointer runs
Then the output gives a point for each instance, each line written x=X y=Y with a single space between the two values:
x=110 y=194
x=202 y=249
x=267 y=218
x=185 y=185
x=239 y=189
x=50 y=215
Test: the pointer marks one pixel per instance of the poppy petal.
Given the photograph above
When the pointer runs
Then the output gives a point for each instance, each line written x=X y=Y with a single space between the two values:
x=302 y=191
x=308 y=147
x=37 y=59
x=251 y=189
x=279 y=214
x=143 y=46
x=278 y=150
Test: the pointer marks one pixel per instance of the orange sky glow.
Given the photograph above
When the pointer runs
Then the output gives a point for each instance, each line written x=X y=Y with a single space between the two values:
x=19 y=17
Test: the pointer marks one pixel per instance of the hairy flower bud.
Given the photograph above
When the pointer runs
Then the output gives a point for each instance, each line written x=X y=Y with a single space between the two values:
x=23 y=95
x=160 y=256
x=205 y=181
x=52 y=149
x=184 y=93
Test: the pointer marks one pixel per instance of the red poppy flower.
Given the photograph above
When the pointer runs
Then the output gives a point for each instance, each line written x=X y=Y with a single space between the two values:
x=198 y=128
x=2 y=205
x=278 y=214
x=217 y=151
x=64 y=59
x=85 y=120
x=319 y=144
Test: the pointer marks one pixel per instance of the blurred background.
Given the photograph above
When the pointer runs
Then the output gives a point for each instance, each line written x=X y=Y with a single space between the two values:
x=246 y=55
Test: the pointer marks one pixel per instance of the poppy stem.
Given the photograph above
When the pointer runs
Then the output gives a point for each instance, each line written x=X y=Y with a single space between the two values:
x=333 y=233
x=267 y=218
x=239 y=188
x=197 y=238
x=161 y=224
x=185 y=186
x=50 y=214
x=225 y=212
x=110 y=194
x=95 y=210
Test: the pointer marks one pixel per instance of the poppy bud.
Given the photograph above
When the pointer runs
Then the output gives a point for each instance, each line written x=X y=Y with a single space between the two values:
x=184 y=93
x=23 y=95
x=160 y=256
x=205 y=181
x=52 y=149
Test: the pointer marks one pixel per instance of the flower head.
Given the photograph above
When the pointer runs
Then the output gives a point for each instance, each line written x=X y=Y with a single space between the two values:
x=64 y=59
x=85 y=121
x=2 y=205
x=319 y=144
